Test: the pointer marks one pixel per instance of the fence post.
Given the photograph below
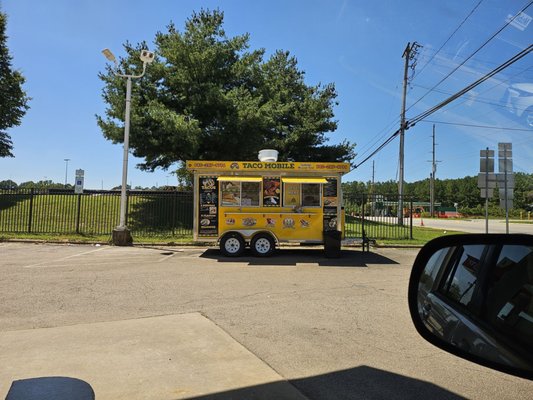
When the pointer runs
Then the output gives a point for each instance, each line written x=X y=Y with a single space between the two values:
x=78 y=213
x=127 y=206
x=174 y=198
x=363 y=233
x=411 y=221
x=30 y=217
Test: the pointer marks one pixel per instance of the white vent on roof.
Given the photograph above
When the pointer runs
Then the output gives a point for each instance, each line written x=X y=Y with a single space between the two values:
x=268 y=155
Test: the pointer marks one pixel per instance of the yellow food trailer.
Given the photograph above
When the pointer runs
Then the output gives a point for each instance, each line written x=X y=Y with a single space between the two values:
x=263 y=203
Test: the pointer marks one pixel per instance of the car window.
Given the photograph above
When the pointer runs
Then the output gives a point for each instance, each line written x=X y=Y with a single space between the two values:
x=510 y=293
x=462 y=280
x=432 y=268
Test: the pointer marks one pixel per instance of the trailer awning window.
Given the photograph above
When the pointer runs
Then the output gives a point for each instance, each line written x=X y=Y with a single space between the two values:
x=239 y=179
x=304 y=180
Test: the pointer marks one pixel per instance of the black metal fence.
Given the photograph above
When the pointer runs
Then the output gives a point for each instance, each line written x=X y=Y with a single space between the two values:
x=95 y=212
x=377 y=216
x=167 y=213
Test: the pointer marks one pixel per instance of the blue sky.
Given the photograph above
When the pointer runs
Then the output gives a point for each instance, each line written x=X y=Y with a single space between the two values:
x=355 y=44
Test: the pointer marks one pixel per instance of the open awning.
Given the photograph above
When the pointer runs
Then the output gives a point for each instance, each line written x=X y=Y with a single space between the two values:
x=303 y=180
x=239 y=179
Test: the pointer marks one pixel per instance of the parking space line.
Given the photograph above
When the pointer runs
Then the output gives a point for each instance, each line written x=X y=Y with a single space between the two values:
x=83 y=265
x=43 y=264
x=166 y=258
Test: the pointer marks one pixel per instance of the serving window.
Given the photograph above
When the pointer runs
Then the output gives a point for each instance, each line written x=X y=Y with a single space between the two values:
x=239 y=191
x=311 y=195
x=302 y=192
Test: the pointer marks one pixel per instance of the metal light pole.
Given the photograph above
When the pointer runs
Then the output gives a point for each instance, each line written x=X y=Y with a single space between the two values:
x=121 y=234
x=66 y=170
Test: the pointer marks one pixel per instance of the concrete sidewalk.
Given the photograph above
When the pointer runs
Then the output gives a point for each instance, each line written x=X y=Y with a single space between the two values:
x=182 y=356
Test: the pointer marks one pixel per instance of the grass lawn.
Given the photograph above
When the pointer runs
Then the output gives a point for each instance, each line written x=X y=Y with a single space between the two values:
x=420 y=236
x=102 y=239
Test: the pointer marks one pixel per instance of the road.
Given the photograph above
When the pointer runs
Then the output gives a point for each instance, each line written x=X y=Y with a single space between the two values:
x=335 y=329
x=474 y=225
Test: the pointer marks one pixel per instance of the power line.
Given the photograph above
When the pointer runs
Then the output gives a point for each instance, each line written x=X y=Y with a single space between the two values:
x=508 y=80
x=389 y=139
x=501 y=128
x=442 y=104
x=447 y=40
x=478 y=99
x=512 y=60
x=471 y=55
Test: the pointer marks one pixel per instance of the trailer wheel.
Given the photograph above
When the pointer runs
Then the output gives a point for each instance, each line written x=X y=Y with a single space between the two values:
x=263 y=245
x=232 y=244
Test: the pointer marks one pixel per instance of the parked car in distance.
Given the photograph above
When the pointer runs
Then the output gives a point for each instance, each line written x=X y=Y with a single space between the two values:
x=472 y=295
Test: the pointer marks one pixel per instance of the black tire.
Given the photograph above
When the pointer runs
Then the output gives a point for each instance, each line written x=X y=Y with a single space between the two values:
x=263 y=245
x=232 y=244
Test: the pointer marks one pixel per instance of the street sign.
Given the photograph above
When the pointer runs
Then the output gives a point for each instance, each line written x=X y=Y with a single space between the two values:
x=486 y=165
x=505 y=147
x=505 y=179
x=78 y=187
x=501 y=180
x=510 y=193
x=505 y=165
x=484 y=193
x=505 y=150
x=509 y=204
x=486 y=153
x=483 y=180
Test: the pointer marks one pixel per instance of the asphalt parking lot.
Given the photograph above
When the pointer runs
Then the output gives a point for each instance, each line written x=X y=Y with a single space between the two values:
x=331 y=328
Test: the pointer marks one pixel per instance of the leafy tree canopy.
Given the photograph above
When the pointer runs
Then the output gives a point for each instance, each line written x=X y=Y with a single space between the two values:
x=208 y=96
x=463 y=191
x=13 y=100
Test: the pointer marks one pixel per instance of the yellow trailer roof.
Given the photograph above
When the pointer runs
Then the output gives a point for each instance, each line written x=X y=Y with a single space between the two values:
x=303 y=180
x=258 y=167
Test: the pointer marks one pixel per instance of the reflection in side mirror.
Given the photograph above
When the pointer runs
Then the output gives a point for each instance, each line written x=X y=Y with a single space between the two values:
x=472 y=295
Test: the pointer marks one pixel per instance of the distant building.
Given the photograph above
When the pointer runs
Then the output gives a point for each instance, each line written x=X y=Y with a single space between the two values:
x=448 y=212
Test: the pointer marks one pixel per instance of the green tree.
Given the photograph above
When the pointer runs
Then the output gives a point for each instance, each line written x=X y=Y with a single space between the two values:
x=207 y=96
x=8 y=184
x=13 y=100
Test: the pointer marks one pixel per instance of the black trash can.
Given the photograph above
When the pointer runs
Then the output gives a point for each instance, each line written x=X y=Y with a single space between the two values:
x=332 y=244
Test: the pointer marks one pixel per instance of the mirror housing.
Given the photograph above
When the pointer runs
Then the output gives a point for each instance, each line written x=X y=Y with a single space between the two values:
x=472 y=295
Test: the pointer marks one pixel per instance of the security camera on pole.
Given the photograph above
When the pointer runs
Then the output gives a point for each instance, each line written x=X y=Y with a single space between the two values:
x=121 y=234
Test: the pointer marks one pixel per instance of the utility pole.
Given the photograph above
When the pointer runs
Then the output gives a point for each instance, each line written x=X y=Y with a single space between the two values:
x=406 y=54
x=409 y=54
x=432 y=174
x=432 y=183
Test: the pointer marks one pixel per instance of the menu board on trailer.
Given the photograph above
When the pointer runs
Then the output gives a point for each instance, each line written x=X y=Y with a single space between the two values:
x=208 y=207
x=271 y=191
x=330 y=204
x=291 y=194
x=330 y=188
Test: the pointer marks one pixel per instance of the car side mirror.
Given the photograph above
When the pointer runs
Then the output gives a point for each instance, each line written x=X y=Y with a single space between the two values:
x=472 y=296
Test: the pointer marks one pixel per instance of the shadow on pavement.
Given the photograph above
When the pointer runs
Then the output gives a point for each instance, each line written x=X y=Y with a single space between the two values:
x=51 y=387
x=355 y=383
x=292 y=257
